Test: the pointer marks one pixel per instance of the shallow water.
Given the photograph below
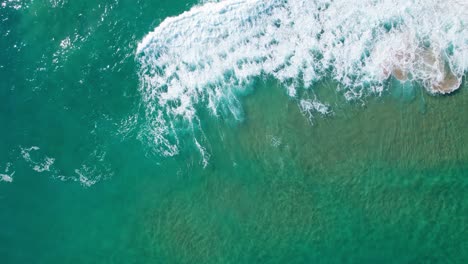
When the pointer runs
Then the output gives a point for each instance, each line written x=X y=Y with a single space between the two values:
x=379 y=179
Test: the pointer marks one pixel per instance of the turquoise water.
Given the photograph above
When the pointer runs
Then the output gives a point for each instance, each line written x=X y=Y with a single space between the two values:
x=380 y=179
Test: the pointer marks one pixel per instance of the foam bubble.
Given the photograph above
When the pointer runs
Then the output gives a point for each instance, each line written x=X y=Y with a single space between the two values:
x=207 y=56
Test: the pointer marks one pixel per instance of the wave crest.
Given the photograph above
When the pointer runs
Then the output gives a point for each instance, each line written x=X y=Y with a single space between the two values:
x=210 y=54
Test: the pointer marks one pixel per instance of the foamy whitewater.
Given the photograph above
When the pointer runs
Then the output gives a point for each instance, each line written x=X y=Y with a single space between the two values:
x=209 y=55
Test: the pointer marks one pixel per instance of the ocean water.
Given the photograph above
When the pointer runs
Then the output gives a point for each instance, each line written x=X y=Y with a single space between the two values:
x=233 y=131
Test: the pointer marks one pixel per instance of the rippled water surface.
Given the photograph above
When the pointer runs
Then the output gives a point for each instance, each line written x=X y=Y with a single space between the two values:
x=240 y=131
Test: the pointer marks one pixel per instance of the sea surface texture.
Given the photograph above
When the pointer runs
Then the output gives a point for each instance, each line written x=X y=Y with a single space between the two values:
x=233 y=131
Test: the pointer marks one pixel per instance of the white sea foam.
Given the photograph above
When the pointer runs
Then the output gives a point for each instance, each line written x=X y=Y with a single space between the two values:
x=274 y=141
x=7 y=176
x=44 y=166
x=24 y=4
x=92 y=170
x=15 y=4
x=39 y=166
x=206 y=56
x=309 y=107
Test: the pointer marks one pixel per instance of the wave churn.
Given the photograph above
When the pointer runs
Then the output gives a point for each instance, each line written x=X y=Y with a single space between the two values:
x=207 y=56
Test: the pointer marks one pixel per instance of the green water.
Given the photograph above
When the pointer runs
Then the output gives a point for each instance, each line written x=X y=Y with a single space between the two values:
x=384 y=180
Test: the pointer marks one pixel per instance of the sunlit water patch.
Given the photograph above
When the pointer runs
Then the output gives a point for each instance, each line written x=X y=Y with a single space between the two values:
x=208 y=56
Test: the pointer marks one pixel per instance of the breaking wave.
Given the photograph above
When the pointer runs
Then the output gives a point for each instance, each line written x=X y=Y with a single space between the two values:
x=206 y=57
